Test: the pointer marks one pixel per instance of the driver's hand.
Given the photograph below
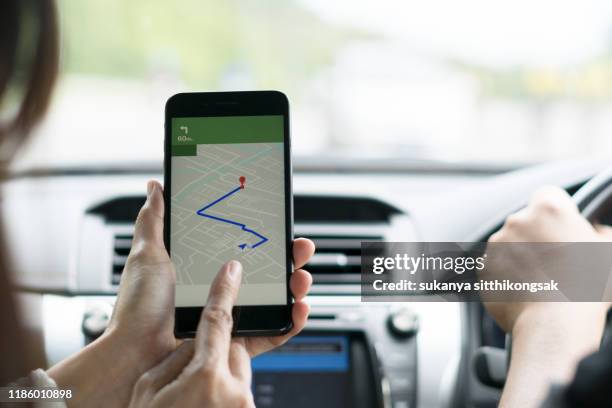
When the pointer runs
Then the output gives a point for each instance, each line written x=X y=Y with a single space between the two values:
x=142 y=324
x=213 y=370
x=550 y=216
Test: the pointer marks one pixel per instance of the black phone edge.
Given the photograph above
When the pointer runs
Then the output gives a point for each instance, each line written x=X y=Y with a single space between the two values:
x=286 y=328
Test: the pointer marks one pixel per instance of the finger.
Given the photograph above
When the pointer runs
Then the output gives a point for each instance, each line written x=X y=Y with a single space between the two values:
x=496 y=236
x=553 y=198
x=170 y=367
x=303 y=249
x=149 y=227
x=604 y=230
x=520 y=218
x=511 y=223
x=258 y=345
x=300 y=283
x=240 y=361
x=299 y=314
x=215 y=328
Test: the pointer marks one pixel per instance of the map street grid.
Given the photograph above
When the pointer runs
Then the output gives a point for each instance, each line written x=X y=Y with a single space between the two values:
x=202 y=212
x=200 y=243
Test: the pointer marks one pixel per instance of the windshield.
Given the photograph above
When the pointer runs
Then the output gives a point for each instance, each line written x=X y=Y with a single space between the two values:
x=469 y=80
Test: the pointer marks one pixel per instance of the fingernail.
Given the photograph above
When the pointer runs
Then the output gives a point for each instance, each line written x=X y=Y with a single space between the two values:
x=150 y=187
x=235 y=270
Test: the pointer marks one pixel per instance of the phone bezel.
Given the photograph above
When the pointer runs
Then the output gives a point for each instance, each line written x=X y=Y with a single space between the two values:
x=248 y=320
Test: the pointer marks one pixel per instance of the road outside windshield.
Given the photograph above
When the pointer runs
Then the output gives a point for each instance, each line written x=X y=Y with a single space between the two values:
x=437 y=80
x=228 y=202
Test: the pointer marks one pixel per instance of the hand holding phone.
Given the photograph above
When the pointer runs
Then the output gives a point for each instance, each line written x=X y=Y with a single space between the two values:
x=228 y=196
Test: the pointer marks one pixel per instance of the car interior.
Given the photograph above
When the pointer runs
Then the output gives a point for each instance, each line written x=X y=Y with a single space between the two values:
x=396 y=136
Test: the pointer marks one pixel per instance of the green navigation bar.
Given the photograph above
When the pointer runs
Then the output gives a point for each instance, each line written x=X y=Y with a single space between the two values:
x=184 y=150
x=189 y=132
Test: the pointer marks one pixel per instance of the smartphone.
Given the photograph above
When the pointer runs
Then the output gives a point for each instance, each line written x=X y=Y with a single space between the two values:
x=227 y=175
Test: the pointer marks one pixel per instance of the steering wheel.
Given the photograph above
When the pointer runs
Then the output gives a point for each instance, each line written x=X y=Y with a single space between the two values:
x=595 y=197
x=594 y=200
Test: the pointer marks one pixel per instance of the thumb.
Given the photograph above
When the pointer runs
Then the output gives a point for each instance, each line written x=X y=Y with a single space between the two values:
x=149 y=228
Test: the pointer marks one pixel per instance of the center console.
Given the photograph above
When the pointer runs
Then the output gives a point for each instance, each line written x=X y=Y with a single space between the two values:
x=318 y=370
x=351 y=353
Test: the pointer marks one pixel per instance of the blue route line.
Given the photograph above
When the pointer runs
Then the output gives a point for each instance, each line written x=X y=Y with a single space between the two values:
x=201 y=212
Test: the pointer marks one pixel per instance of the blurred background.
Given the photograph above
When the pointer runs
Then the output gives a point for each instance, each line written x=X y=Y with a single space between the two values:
x=471 y=81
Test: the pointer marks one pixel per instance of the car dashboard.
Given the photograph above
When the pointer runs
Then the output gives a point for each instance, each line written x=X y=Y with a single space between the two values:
x=70 y=232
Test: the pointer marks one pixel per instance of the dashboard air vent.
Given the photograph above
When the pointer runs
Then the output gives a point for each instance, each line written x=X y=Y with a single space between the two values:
x=336 y=224
x=338 y=257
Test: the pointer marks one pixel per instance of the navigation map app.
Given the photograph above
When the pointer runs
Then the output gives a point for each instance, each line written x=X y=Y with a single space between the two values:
x=228 y=202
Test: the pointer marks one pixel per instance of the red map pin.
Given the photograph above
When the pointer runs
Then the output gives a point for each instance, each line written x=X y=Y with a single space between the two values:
x=242 y=180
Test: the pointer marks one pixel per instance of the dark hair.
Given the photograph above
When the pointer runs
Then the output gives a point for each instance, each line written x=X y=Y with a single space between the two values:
x=29 y=41
x=29 y=44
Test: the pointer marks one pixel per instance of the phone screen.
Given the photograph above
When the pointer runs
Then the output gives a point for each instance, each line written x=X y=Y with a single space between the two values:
x=228 y=201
